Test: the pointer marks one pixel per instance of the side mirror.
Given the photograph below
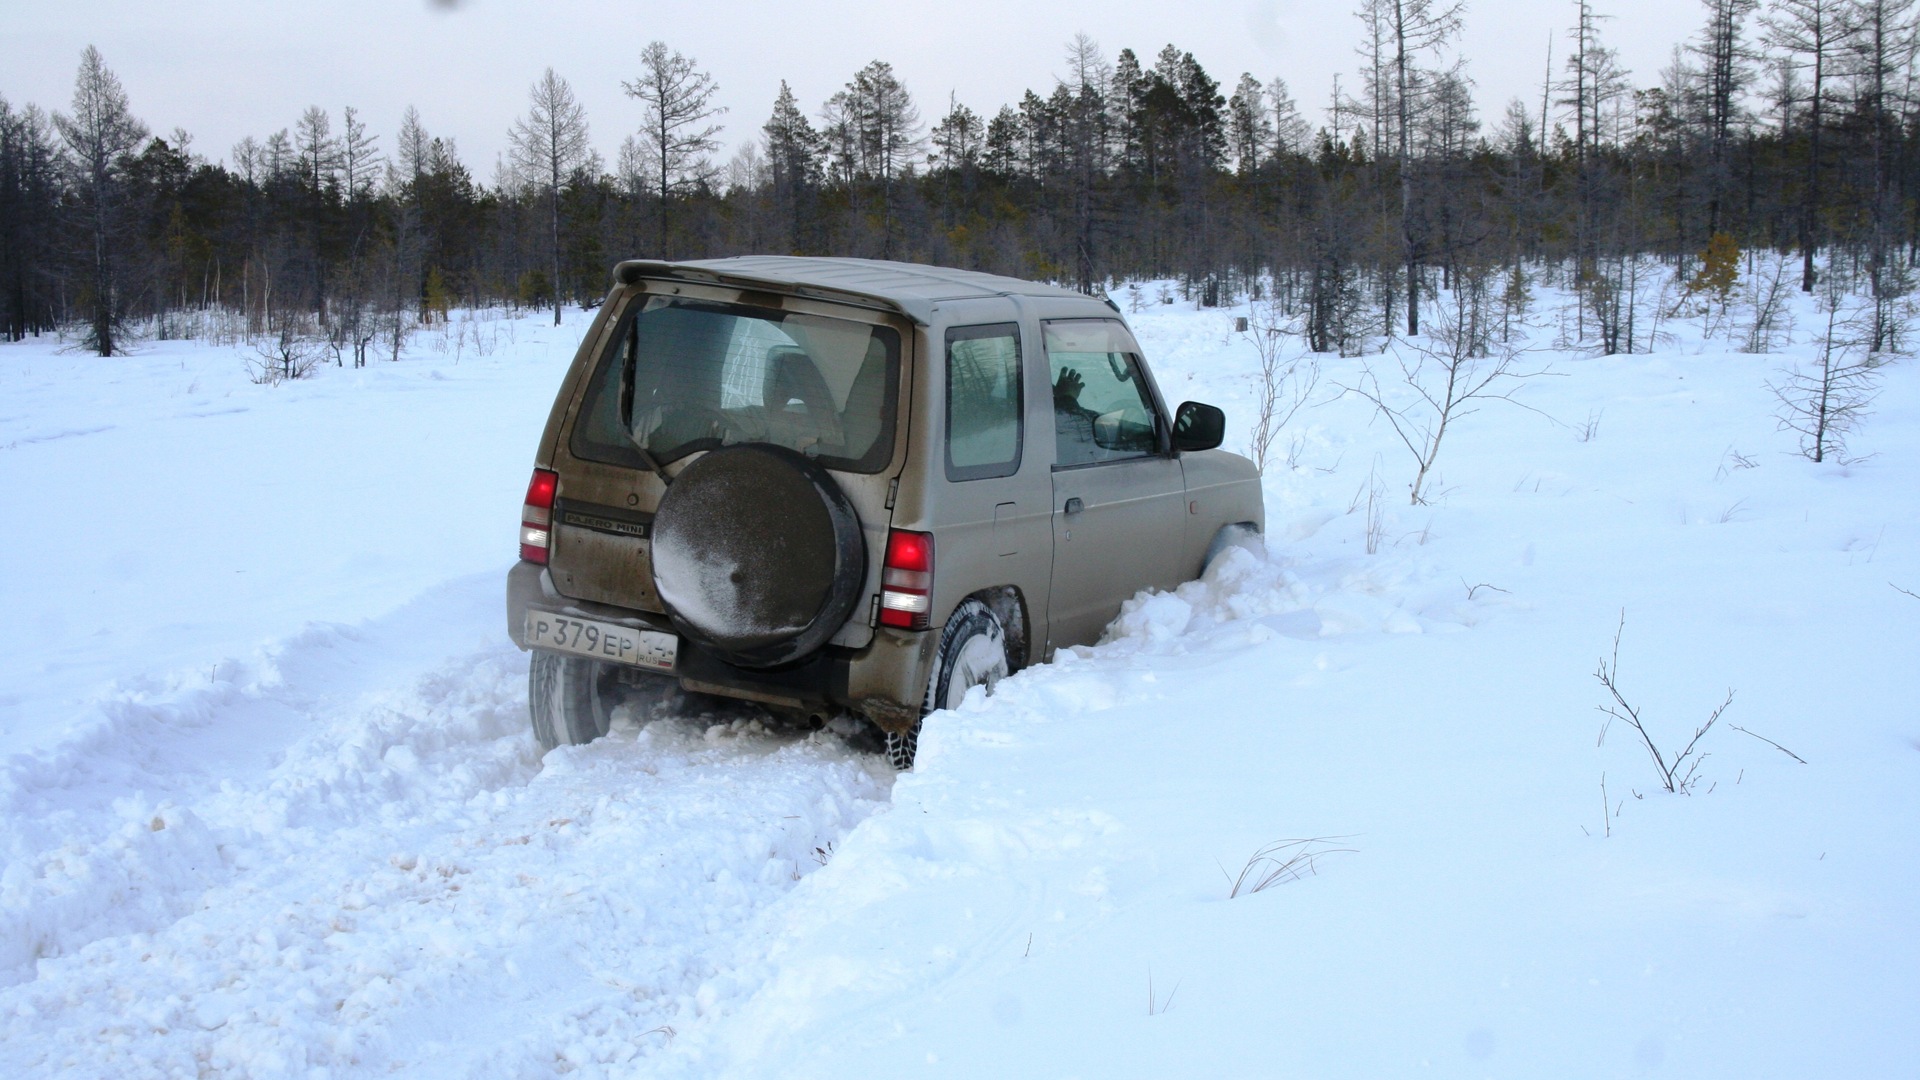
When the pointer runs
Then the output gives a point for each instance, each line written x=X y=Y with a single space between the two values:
x=1198 y=427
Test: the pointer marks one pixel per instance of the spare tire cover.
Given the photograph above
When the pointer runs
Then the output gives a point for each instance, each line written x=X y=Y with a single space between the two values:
x=758 y=554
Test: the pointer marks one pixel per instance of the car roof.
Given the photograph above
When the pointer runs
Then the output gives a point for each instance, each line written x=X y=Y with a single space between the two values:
x=913 y=289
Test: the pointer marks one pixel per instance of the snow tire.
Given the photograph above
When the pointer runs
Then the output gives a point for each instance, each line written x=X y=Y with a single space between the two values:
x=569 y=698
x=973 y=652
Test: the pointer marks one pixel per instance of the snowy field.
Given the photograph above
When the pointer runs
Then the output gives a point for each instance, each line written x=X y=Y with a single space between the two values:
x=269 y=805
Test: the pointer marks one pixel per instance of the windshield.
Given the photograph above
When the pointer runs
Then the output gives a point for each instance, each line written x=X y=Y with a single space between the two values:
x=688 y=375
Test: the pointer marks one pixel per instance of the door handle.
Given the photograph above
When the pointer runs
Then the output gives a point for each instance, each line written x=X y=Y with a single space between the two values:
x=1074 y=505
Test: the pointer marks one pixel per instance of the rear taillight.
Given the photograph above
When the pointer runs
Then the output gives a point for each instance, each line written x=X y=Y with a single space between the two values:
x=536 y=517
x=906 y=581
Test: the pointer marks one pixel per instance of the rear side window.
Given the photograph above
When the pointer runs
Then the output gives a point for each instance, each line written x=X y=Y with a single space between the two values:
x=1102 y=410
x=983 y=401
x=688 y=375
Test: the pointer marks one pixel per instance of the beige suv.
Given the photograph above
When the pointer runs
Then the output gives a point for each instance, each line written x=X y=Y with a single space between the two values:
x=837 y=486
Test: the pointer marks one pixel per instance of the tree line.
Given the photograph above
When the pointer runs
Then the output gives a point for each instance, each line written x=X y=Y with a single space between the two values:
x=1789 y=127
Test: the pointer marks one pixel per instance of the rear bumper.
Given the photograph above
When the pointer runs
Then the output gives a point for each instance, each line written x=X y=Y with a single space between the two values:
x=885 y=680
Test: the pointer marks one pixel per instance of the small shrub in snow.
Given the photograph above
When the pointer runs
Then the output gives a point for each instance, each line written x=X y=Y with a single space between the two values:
x=1719 y=268
x=1825 y=399
x=1448 y=376
x=1285 y=381
x=1590 y=430
x=1768 y=323
x=283 y=356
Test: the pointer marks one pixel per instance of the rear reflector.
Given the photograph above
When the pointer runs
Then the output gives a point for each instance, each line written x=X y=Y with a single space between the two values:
x=906 y=581
x=536 y=516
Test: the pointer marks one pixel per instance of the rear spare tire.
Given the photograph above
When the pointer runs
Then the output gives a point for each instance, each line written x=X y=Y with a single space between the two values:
x=757 y=554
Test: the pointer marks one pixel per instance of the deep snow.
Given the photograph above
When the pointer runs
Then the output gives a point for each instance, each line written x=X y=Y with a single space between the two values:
x=269 y=805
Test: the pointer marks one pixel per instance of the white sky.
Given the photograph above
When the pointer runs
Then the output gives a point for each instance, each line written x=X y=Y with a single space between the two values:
x=223 y=69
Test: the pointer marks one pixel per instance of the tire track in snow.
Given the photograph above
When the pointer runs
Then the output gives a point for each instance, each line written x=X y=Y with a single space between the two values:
x=411 y=888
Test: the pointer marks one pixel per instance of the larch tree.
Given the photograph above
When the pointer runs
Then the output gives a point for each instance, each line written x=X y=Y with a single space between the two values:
x=1808 y=34
x=675 y=133
x=1292 y=134
x=547 y=145
x=1880 y=52
x=1084 y=129
x=1413 y=27
x=888 y=124
x=413 y=147
x=319 y=167
x=99 y=133
x=1726 y=67
x=1249 y=124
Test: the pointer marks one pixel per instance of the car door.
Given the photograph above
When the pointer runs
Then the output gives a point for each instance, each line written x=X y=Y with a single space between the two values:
x=1119 y=496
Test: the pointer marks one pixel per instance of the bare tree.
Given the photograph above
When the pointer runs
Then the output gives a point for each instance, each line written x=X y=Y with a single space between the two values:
x=675 y=135
x=547 y=145
x=414 y=147
x=1084 y=129
x=1726 y=69
x=1770 y=322
x=873 y=129
x=99 y=134
x=1809 y=33
x=1594 y=81
x=1291 y=131
x=318 y=164
x=1249 y=124
x=1286 y=382
x=1405 y=29
x=1438 y=384
x=360 y=159
x=1881 y=47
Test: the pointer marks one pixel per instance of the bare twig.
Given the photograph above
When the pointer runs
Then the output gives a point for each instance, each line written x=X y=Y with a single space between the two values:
x=1471 y=589
x=1769 y=742
x=1606 y=806
x=1690 y=757
x=1909 y=592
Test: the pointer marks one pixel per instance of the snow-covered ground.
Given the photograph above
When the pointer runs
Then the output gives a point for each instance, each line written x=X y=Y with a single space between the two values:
x=269 y=807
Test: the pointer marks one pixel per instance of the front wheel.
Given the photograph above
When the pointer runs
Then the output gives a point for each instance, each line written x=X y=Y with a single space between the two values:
x=570 y=699
x=972 y=652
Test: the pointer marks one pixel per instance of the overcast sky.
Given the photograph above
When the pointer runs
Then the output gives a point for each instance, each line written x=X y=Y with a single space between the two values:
x=223 y=69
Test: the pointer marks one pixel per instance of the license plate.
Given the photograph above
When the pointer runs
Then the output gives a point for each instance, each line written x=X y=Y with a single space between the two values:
x=602 y=641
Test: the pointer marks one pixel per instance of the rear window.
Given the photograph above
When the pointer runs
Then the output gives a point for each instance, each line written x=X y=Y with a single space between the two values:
x=689 y=375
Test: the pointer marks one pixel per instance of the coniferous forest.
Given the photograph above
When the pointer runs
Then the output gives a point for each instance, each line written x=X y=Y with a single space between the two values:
x=1787 y=130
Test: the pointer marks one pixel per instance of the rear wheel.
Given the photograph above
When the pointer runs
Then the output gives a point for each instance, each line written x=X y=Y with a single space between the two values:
x=570 y=699
x=973 y=652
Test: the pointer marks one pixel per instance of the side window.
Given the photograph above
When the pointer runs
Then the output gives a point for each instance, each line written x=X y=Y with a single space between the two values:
x=983 y=401
x=1101 y=408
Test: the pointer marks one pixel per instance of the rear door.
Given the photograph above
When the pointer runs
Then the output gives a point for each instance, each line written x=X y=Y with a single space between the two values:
x=1119 y=496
